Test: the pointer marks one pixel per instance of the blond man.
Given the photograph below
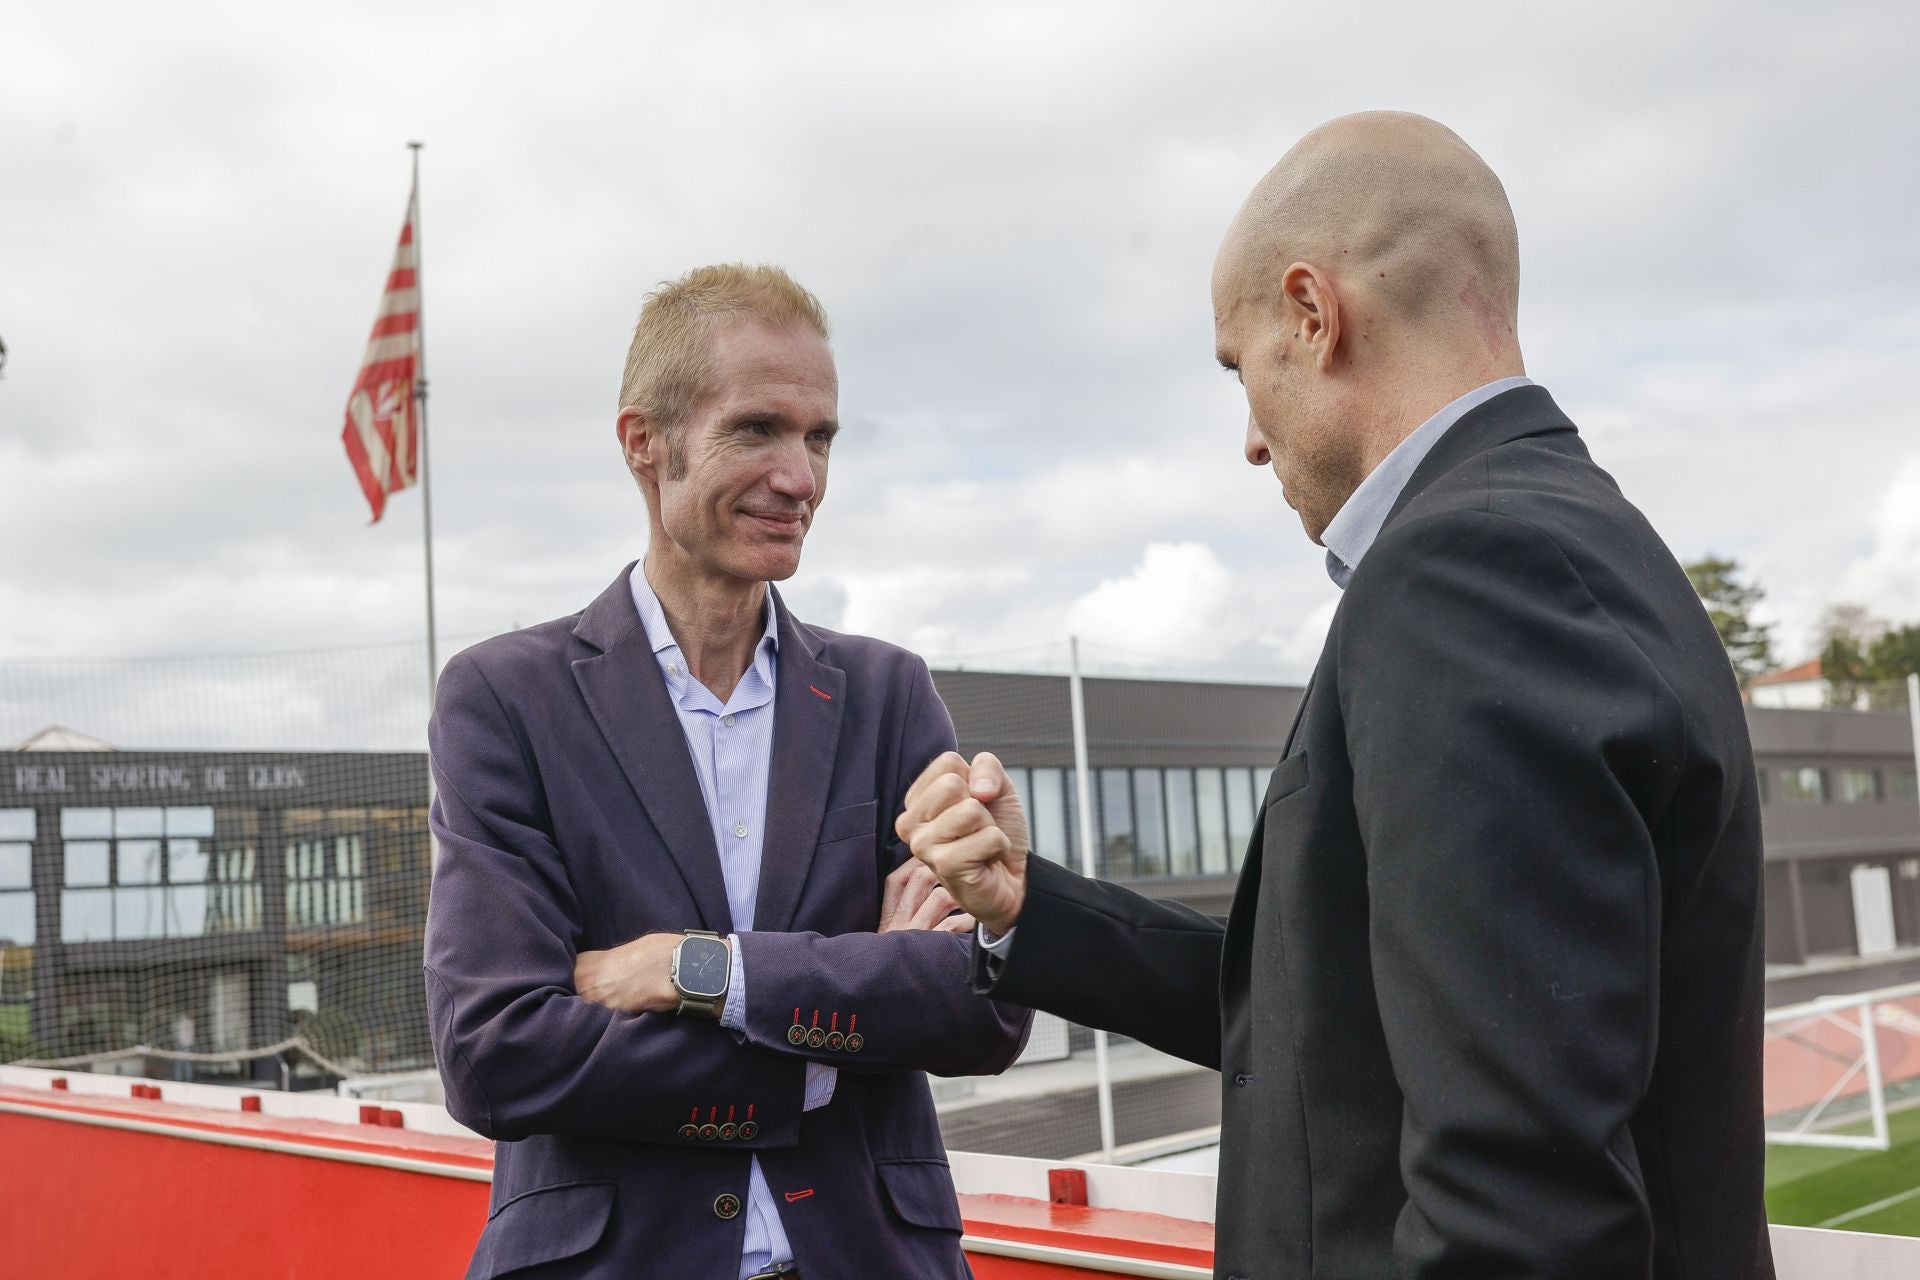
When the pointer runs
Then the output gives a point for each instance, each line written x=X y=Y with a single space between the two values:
x=678 y=963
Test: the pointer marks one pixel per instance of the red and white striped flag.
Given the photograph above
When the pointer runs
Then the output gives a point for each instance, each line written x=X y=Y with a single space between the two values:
x=382 y=432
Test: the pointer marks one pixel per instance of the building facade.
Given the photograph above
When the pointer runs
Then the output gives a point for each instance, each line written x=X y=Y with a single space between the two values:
x=221 y=902
x=215 y=903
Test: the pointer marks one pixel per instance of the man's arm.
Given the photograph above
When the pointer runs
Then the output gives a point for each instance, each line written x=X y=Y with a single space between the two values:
x=1107 y=957
x=904 y=993
x=1092 y=952
x=1510 y=746
x=520 y=1051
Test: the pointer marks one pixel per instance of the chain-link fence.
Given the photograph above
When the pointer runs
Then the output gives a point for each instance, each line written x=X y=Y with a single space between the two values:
x=217 y=868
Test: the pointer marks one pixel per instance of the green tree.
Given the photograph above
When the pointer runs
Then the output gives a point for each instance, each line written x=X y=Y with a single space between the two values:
x=1896 y=655
x=1730 y=603
x=1843 y=664
x=1866 y=661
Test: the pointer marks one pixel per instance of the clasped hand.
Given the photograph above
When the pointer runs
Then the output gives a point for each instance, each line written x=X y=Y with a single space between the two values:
x=964 y=821
x=637 y=977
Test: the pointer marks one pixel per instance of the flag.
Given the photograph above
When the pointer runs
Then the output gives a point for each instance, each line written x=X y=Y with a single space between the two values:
x=382 y=431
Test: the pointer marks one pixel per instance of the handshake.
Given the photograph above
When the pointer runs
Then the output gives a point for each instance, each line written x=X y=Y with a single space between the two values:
x=965 y=824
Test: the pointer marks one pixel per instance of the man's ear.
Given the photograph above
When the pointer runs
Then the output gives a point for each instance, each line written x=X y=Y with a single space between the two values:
x=1313 y=311
x=640 y=444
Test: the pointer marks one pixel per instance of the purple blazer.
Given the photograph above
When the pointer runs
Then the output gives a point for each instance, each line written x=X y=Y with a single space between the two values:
x=569 y=818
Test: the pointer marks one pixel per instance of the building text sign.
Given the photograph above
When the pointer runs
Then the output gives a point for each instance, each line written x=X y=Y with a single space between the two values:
x=122 y=779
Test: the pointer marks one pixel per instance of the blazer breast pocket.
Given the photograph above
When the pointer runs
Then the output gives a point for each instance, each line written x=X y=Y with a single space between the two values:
x=855 y=821
x=1289 y=776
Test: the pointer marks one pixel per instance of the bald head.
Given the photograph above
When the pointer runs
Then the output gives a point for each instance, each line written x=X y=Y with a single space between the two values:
x=1370 y=278
x=1397 y=208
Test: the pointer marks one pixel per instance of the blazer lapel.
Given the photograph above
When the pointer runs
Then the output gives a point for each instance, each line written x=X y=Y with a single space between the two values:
x=628 y=697
x=808 y=703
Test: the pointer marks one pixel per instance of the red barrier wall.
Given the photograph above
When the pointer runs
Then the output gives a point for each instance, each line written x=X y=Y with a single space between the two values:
x=78 y=1202
x=83 y=1196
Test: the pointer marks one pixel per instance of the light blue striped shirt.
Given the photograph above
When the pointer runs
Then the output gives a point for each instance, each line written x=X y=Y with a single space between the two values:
x=1350 y=534
x=732 y=748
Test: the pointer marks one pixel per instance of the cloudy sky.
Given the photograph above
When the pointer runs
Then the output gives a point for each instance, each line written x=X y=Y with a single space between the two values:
x=1010 y=212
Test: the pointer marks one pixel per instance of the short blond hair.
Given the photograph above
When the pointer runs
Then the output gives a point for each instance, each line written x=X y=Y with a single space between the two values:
x=669 y=363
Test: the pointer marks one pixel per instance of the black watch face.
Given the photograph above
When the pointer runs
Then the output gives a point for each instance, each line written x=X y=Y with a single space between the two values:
x=703 y=967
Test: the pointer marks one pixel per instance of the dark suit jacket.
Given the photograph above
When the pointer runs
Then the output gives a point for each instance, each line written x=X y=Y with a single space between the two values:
x=569 y=818
x=1489 y=1000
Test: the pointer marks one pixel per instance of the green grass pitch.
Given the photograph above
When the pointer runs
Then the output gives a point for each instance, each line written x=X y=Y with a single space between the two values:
x=1822 y=1187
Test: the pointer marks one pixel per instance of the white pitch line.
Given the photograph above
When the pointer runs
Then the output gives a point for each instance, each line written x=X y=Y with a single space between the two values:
x=1866 y=1209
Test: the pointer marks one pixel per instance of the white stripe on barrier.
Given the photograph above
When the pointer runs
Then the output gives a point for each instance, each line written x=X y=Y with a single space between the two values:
x=1082 y=1260
x=406 y=1164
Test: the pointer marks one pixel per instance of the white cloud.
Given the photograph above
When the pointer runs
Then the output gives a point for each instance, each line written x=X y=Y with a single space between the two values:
x=1887 y=579
x=1178 y=601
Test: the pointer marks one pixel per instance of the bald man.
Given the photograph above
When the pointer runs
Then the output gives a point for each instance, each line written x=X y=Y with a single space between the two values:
x=1489 y=1000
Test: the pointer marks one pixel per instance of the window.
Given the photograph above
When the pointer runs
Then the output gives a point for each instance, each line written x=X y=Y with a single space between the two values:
x=16 y=878
x=1239 y=814
x=138 y=873
x=1211 y=803
x=1117 y=848
x=1901 y=785
x=1802 y=786
x=89 y=862
x=1049 y=816
x=1149 y=823
x=1183 y=833
x=326 y=867
x=1856 y=786
x=1070 y=787
x=1022 y=782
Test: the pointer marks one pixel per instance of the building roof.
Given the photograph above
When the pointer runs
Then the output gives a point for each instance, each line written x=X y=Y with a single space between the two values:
x=1789 y=675
x=60 y=738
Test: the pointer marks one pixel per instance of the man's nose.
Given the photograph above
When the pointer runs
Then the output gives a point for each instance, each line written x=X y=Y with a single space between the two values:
x=793 y=473
x=1255 y=445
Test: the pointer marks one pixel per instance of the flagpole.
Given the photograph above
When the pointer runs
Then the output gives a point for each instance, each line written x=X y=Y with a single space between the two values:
x=420 y=395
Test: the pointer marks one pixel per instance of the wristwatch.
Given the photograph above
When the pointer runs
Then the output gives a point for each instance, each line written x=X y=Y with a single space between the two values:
x=702 y=966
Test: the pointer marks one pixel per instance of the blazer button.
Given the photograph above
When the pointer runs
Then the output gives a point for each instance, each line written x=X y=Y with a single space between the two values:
x=854 y=1041
x=816 y=1038
x=727 y=1131
x=726 y=1206
x=796 y=1034
x=835 y=1040
x=1242 y=1078
x=708 y=1132
x=689 y=1131
x=748 y=1128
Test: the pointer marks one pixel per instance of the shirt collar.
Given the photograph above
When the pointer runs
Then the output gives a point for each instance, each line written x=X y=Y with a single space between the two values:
x=1350 y=534
x=666 y=650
